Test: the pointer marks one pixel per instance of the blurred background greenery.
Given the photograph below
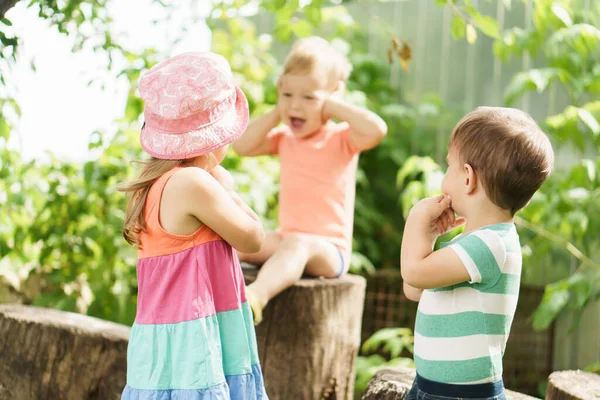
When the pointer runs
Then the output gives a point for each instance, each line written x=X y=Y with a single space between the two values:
x=420 y=65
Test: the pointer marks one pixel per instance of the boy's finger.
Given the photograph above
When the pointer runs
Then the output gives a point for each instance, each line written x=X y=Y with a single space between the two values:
x=444 y=203
x=440 y=227
x=449 y=218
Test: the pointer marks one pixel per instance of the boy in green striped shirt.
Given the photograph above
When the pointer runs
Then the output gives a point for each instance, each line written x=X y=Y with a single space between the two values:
x=468 y=290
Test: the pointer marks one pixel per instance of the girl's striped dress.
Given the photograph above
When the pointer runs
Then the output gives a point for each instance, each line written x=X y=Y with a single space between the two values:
x=193 y=336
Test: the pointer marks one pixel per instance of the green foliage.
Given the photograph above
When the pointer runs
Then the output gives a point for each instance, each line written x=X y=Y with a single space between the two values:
x=467 y=19
x=388 y=347
x=60 y=241
x=595 y=368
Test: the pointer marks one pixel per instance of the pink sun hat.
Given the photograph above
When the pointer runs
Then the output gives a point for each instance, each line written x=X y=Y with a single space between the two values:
x=191 y=106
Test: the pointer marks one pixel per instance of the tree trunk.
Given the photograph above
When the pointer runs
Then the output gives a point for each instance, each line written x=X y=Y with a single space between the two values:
x=568 y=385
x=6 y=5
x=309 y=338
x=395 y=383
x=49 y=354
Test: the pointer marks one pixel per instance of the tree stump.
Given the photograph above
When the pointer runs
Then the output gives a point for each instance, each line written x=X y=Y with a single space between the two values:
x=568 y=385
x=50 y=354
x=309 y=338
x=395 y=383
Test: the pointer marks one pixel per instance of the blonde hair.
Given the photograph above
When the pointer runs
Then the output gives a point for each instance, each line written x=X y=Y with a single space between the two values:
x=509 y=152
x=137 y=190
x=315 y=53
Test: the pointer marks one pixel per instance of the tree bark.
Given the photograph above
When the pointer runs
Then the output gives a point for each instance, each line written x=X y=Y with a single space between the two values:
x=568 y=385
x=395 y=383
x=309 y=338
x=55 y=355
x=6 y=5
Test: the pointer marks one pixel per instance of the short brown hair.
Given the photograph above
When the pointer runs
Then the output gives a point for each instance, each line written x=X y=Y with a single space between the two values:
x=509 y=152
x=315 y=52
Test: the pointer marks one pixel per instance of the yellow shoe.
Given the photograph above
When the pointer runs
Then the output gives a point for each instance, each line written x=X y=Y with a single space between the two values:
x=256 y=309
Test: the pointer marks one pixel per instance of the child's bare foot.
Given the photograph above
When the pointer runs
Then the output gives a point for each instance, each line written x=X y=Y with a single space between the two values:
x=256 y=305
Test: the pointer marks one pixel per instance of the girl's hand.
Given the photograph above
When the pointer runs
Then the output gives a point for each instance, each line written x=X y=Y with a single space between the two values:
x=334 y=98
x=245 y=207
x=223 y=177
x=226 y=180
x=437 y=214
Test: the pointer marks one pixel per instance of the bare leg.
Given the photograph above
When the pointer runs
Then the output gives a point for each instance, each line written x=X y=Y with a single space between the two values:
x=272 y=241
x=294 y=255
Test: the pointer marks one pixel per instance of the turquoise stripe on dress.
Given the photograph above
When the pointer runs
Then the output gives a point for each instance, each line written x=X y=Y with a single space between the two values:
x=239 y=350
x=194 y=354
x=250 y=330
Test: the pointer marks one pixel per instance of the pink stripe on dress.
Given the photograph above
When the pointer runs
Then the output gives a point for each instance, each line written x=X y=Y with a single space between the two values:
x=189 y=285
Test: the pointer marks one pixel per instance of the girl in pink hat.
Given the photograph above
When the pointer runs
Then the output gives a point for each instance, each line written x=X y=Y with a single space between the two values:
x=193 y=336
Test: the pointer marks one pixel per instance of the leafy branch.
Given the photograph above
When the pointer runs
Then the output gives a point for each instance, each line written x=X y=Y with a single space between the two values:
x=398 y=47
x=467 y=18
x=570 y=247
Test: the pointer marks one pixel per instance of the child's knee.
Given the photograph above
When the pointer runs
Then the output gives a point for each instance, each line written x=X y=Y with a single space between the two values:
x=295 y=242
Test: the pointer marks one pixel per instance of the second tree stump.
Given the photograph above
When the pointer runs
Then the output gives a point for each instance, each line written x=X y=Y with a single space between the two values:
x=309 y=338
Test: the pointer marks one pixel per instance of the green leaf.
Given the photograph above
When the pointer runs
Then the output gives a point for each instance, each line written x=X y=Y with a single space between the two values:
x=562 y=14
x=283 y=31
x=412 y=193
x=488 y=25
x=360 y=263
x=4 y=129
x=414 y=168
x=313 y=12
x=273 y=5
x=458 y=27
x=6 y=21
x=134 y=108
x=471 y=34
x=581 y=289
x=579 y=40
x=293 y=5
x=595 y=368
x=385 y=336
x=589 y=120
x=535 y=79
x=555 y=298
x=583 y=174
x=15 y=106
x=302 y=28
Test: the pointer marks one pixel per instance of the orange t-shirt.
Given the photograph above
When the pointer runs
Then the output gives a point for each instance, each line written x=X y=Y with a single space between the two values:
x=318 y=183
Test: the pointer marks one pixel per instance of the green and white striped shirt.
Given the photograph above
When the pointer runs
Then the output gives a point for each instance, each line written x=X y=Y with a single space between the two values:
x=461 y=330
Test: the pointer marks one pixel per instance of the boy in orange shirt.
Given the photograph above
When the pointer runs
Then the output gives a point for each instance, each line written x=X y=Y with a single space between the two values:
x=318 y=159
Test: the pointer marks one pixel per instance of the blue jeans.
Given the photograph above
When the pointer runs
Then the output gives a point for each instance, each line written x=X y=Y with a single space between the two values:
x=424 y=389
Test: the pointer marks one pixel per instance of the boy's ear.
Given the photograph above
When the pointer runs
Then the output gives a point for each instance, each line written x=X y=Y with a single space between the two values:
x=470 y=179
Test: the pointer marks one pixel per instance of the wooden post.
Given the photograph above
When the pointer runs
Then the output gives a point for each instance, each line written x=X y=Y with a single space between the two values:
x=395 y=383
x=55 y=355
x=571 y=385
x=309 y=338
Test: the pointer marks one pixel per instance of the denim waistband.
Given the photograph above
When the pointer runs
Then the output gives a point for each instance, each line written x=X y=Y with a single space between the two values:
x=478 y=390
